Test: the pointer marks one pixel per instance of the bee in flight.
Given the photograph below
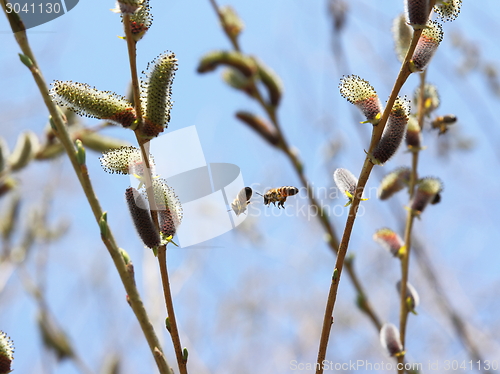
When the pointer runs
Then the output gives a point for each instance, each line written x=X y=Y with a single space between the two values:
x=443 y=122
x=239 y=204
x=279 y=195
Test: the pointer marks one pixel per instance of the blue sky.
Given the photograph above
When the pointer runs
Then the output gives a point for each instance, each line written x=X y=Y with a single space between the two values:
x=253 y=299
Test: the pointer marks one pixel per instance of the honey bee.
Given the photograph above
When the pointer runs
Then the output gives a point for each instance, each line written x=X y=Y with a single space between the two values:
x=279 y=195
x=239 y=204
x=443 y=122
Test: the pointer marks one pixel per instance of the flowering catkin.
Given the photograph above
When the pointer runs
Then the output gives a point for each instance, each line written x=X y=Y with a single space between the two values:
x=428 y=191
x=346 y=182
x=418 y=12
x=90 y=102
x=156 y=90
x=6 y=353
x=394 y=182
x=142 y=218
x=427 y=45
x=125 y=160
x=169 y=207
x=389 y=338
x=389 y=240
x=393 y=133
x=360 y=93
x=448 y=10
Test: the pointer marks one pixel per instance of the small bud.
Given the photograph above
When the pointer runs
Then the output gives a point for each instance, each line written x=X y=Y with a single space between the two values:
x=168 y=326
x=169 y=207
x=346 y=182
x=411 y=294
x=413 y=134
x=9 y=221
x=125 y=160
x=103 y=225
x=128 y=6
x=389 y=240
x=448 y=10
x=6 y=353
x=98 y=142
x=141 y=21
x=361 y=302
x=443 y=122
x=237 y=60
x=125 y=256
x=7 y=185
x=235 y=79
x=26 y=147
x=4 y=154
x=431 y=98
x=90 y=102
x=393 y=133
x=156 y=92
x=426 y=192
x=394 y=182
x=142 y=218
x=272 y=82
x=80 y=152
x=260 y=125
x=427 y=45
x=26 y=60
x=402 y=34
x=231 y=22
x=418 y=12
x=389 y=338
x=335 y=274
x=360 y=93
x=54 y=338
x=185 y=354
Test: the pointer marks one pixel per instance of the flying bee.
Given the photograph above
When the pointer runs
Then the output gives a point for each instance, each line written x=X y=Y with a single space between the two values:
x=279 y=195
x=442 y=123
x=239 y=204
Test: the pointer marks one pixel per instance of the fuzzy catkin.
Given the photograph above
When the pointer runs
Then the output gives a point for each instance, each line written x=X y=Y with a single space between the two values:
x=142 y=218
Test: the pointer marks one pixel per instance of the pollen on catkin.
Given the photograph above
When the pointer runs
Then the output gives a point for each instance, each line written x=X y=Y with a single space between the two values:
x=346 y=182
x=156 y=92
x=394 y=182
x=389 y=338
x=389 y=240
x=430 y=97
x=402 y=34
x=427 y=190
x=360 y=93
x=448 y=10
x=393 y=133
x=141 y=21
x=169 y=207
x=89 y=102
x=142 y=218
x=413 y=134
x=125 y=160
x=427 y=45
x=418 y=12
x=6 y=353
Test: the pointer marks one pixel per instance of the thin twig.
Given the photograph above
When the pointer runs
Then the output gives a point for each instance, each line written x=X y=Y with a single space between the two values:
x=410 y=216
x=82 y=174
x=144 y=147
x=333 y=241
x=174 y=331
x=403 y=75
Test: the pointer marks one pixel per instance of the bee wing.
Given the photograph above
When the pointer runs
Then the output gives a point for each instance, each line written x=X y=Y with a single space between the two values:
x=244 y=196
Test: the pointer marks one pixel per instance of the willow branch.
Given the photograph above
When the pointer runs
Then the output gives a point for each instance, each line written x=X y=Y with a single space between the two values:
x=84 y=179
